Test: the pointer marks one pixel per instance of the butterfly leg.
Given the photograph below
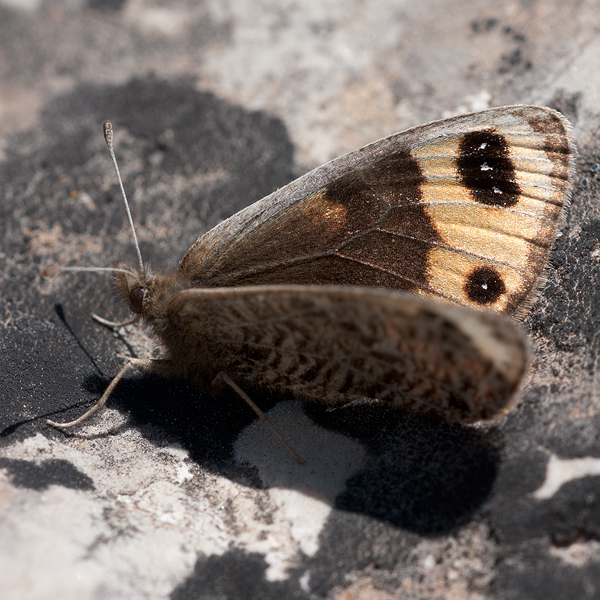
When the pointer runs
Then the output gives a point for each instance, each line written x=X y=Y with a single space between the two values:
x=222 y=378
x=131 y=362
x=115 y=324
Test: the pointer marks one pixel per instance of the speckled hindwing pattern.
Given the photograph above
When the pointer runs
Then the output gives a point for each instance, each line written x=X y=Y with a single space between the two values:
x=336 y=344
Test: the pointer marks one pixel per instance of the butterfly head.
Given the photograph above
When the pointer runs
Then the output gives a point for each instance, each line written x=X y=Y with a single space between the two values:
x=145 y=293
x=134 y=286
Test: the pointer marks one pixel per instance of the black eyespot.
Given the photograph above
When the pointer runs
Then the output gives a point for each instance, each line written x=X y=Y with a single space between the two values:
x=136 y=297
x=485 y=168
x=484 y=285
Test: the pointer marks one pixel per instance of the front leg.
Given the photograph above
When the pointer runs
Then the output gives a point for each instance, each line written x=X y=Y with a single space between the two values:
x=131 y=362
x=115 y=324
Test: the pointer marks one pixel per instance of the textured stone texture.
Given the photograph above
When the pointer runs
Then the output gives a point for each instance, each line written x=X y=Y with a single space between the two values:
x=172 y=493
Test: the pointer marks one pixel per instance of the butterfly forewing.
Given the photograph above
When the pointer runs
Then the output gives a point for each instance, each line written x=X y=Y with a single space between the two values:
x=335 y=344
x=464 y=209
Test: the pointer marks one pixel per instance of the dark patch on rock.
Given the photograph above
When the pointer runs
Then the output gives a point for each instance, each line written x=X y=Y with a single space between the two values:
x=28 y=474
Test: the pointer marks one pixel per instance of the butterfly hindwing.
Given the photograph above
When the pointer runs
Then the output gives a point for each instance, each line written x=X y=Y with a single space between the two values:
x=335 y=344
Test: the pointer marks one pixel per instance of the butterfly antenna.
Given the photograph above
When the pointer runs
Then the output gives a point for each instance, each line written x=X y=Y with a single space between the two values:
x=53 y=270
x=108 y=138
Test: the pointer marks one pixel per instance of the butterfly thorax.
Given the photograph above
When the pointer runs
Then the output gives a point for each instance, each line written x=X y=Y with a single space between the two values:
x=151 y=295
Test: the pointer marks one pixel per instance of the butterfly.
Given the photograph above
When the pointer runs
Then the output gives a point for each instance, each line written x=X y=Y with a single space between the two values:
x=385 y=274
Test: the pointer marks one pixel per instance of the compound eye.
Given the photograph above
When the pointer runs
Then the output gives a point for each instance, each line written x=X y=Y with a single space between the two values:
x=136 y=297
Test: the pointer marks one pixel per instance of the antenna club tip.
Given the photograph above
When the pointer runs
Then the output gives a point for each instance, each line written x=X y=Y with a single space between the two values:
x=50 y=272
x=108 y=132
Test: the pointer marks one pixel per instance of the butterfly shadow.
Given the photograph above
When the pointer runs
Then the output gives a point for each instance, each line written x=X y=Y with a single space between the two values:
x=413 y=471
x=422 y=473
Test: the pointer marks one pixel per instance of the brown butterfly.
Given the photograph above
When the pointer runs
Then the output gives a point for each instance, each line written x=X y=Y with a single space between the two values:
x=339 y=286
